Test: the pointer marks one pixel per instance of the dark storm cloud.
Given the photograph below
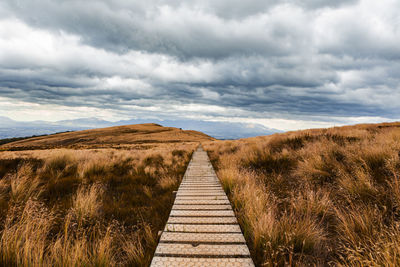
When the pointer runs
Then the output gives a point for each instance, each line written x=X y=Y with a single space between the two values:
x=181 y=29
x=289 y=59
x=210 y=29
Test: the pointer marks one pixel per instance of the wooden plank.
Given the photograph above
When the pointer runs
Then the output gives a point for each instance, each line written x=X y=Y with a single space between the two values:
x=197 y=262
x=202 y=229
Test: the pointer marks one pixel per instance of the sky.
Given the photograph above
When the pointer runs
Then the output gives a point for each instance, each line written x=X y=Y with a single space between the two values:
x=284 y=64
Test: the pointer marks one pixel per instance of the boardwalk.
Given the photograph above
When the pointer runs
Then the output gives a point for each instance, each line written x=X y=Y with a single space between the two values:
x=202 y=229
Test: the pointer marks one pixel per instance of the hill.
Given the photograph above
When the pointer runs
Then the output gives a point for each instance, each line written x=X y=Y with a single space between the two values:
x=218 y=129
x=110 y=137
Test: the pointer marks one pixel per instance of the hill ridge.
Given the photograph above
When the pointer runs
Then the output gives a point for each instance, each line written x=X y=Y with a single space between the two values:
x=111 y=136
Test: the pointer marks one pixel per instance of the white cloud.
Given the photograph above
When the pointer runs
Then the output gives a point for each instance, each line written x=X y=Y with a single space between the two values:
x=285 y=64
x=23 y=111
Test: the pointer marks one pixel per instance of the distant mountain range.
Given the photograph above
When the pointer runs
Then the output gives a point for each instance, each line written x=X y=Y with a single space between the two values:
x=221 y=130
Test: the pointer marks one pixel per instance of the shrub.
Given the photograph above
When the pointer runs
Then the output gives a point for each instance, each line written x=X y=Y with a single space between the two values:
x=267 y=162
x=178 y=153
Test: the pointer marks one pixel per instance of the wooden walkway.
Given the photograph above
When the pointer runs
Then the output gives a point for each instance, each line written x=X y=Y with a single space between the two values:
x=202 y=229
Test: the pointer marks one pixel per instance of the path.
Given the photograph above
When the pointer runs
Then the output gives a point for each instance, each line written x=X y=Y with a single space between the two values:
x=202 y=229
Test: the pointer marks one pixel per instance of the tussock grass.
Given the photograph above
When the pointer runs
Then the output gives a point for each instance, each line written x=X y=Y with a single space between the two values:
x=101 y=207
x=316 y=197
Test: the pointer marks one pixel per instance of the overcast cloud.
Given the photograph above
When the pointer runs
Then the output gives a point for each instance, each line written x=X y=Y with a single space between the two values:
x=284 y=64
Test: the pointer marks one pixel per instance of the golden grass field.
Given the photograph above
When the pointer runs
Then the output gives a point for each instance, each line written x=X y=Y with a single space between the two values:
x=325 y=197
x=84 y=205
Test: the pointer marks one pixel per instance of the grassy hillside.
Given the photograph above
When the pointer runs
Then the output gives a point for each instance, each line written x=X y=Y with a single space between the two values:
x=98 y=197
x=119 y=136
x=317 y=197
x=92 y=206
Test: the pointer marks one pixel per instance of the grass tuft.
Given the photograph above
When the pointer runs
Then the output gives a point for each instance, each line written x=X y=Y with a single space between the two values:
x=323 y=197
x=99 y=207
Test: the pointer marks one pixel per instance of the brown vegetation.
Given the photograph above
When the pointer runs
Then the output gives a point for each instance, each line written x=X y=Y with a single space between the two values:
x=316 y=197
x=87 y=207
x=126 y=137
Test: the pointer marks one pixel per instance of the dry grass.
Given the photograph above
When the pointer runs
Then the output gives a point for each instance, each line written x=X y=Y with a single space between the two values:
x=125 y=137
x=316 y=197
x=93 y=207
